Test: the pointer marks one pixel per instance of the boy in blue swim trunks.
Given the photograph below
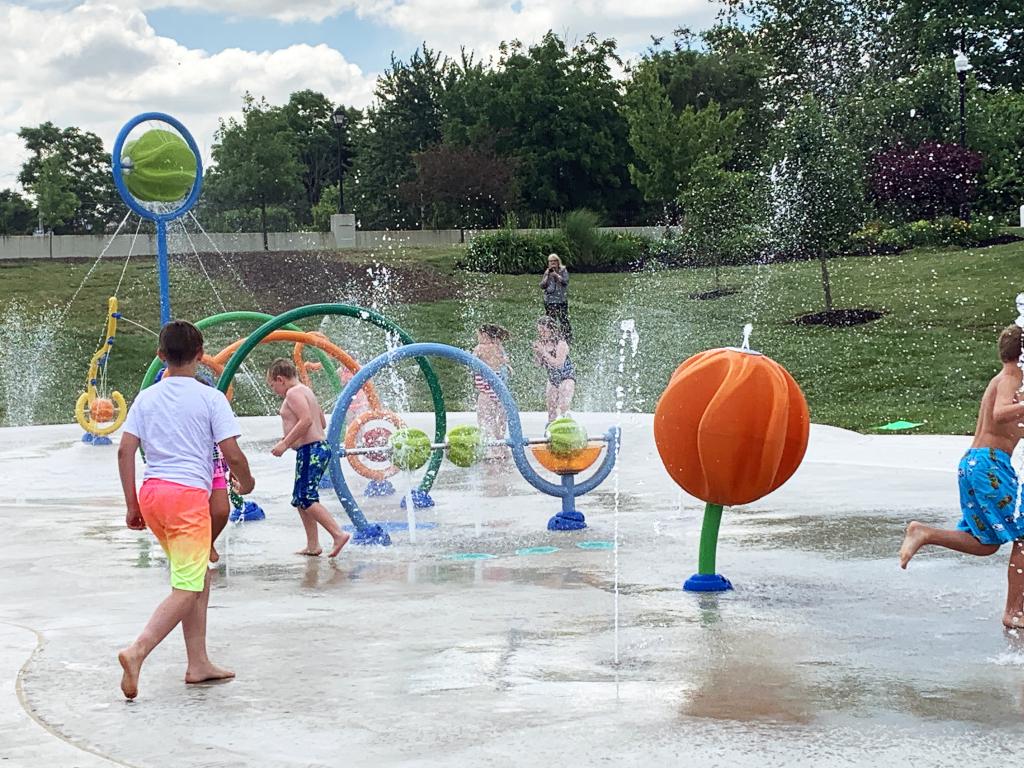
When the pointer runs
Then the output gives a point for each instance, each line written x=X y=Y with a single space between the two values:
x=304 y=425
x=988 y=483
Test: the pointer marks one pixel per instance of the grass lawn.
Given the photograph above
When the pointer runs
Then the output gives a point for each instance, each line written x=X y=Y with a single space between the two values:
x=928 y=359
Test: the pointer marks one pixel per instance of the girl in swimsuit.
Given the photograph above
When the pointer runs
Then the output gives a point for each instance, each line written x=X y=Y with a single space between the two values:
x=490 y=348
x=551 y=352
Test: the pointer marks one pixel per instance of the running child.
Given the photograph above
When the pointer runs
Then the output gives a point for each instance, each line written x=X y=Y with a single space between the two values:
x=490 y=348
x=551 y=352
x=304 y=423
x=988 y=483
x=176 y=422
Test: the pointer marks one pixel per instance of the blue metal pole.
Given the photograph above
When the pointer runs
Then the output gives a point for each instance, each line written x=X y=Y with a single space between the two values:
x=165 y=283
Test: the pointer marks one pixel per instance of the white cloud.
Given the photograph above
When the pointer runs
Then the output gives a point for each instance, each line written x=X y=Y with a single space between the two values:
x=96 y=65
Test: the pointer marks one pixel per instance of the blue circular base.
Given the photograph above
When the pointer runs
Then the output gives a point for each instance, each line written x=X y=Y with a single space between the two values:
x=88 y=437
x=567 y=521
x=248 y=513
x=378 y=488
x=102 y=440
x=372 y=535
x=325 y=482
x=707 y=582
x=420 y=500
x=395 y=525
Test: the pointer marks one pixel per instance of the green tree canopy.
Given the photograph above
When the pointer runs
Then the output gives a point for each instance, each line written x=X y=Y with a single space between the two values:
x=17 y=216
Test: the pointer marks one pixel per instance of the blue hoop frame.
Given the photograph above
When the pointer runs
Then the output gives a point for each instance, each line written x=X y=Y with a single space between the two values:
x=369 y=533
x=160 y=219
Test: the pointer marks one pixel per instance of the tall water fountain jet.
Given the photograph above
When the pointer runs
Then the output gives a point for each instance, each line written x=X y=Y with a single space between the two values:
x=629 y=343
x=26 y=360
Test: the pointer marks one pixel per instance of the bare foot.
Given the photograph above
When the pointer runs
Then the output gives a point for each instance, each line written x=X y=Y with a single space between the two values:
x=340 y=542
x=131 y=664
x=912 y=541
x=214 y=555
x=311 y=552
x=207 y=674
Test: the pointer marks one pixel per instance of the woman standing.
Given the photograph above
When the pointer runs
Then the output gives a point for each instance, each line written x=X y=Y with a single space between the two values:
x=555 y=284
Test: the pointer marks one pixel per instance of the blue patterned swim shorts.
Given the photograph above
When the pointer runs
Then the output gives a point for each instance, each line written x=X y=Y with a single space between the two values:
x=311 y=462
x=988 y=497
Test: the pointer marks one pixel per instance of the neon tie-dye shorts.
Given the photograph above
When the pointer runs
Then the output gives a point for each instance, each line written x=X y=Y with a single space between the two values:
x=988 y=497
x=179 y=517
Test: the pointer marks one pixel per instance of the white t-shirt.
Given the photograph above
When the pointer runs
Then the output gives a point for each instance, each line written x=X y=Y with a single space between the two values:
x=179 y=420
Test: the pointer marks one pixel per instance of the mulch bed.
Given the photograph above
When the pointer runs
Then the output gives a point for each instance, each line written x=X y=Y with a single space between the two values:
x=286 y=279
x=840 y=318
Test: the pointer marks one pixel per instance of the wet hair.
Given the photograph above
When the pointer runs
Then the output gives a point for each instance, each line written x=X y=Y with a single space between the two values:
x=1010 y=344
x=549 y=323
x=180 y=342
x=496 y=332
x=282 y=367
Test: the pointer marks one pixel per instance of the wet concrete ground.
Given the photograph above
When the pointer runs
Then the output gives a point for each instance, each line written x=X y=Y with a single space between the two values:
x=826 y=653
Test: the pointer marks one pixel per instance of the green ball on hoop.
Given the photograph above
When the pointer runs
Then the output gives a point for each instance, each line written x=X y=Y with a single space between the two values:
x=410 y=448
x=566 y=436
x=465 y=446
x=159 y=167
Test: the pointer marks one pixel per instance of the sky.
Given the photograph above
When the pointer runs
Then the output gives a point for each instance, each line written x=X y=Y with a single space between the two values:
x=95 y=64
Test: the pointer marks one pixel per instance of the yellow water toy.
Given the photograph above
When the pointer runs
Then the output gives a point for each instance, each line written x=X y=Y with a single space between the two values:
x=98 y=411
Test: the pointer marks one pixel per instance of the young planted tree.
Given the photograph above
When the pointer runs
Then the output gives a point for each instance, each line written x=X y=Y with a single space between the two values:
x=55 y=200
x=257 y=163
x=817 y=189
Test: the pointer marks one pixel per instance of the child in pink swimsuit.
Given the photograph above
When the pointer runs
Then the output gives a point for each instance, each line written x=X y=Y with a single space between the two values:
x=220 y=501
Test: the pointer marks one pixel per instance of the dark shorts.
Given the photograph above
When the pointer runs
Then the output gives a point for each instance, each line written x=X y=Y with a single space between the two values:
x=311 y=462
x=988 y=497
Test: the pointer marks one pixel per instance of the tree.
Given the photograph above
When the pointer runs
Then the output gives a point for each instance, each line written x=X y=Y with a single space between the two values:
x=817 y=193
x=17 y=216
x=669 y=144
x=310 y=118
x=459 y=186
x=405 y=119
x=84 y=167
x=997 y=130
x=56 y=202
x=257 y=162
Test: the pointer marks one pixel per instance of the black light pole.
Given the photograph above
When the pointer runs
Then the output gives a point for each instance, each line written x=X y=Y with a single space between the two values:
x=963 y=65
x=340 y=121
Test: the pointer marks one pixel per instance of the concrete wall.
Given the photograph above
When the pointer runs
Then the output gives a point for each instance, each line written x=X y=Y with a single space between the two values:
x=90 y=246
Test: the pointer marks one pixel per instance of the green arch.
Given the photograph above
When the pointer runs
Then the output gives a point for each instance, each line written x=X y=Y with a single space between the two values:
x=365 y=315
x=253 y=317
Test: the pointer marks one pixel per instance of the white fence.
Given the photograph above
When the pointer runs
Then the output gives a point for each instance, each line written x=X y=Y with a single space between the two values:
x=90 y=246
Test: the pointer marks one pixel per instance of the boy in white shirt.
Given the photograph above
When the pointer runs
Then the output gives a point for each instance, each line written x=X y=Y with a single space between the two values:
x=176 y=421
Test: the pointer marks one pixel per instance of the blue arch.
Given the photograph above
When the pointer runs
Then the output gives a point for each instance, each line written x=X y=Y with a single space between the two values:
x=567 y=491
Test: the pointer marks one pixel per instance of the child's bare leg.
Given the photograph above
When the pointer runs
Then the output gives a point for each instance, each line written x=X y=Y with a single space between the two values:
x=312 y=535
x=193 y=626
x=166 y=617
x=318 y=512
x=566 y=390
x=1013 y=616
x=552 y=397
x=919 y=535
x=220 y=511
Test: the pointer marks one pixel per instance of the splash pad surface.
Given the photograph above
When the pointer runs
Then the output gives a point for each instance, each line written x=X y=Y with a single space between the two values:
x=826 y=652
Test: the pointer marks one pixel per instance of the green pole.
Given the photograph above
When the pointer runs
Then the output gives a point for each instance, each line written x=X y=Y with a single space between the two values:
x=709 y=539
x=368 y=316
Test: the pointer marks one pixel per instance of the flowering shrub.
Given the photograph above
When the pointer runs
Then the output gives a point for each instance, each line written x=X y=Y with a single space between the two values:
x=925 y=182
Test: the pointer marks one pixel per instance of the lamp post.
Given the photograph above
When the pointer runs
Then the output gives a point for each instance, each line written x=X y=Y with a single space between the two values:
x=962 y=65
x=340 y=118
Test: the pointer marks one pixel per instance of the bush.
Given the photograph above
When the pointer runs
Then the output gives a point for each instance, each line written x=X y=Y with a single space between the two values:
x=506 y=252
x=926 y=181
x=512 y=253
x=580 y=229
x=944 y=231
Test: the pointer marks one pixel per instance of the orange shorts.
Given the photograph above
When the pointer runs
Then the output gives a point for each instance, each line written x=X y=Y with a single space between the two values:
x=179 y=517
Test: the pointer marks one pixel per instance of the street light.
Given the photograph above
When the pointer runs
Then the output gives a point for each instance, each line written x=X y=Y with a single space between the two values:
x=340 y=118
x=962 y=65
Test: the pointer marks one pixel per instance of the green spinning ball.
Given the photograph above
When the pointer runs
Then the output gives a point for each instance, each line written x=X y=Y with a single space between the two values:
x=566 y=437
x=410 y=448
x=465 y=446
x=159 y=167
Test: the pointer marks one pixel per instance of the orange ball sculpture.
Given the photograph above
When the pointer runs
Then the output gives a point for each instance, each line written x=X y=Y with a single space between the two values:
x=731 y=427
x=101 y=410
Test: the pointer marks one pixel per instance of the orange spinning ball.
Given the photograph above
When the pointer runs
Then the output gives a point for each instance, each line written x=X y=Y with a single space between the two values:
x=731 y=426
x=101 y=410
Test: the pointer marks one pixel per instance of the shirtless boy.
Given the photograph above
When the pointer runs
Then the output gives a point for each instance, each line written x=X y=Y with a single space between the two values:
x=988 y=483
x=304 y=424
